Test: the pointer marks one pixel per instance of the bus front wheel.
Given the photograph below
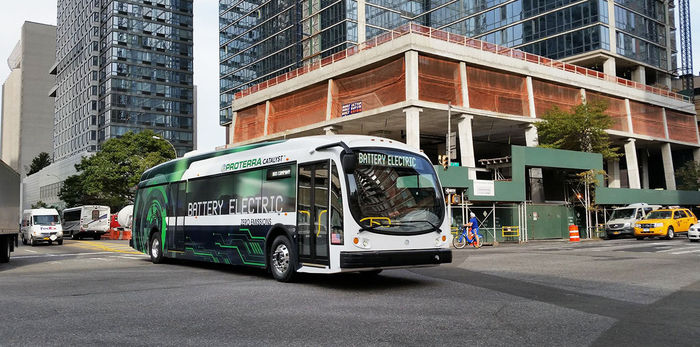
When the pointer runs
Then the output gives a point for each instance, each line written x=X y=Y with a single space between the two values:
x=156 y=249
x=282 y=259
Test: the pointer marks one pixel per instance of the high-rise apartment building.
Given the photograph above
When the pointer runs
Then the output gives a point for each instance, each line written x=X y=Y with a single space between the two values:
x=123 y=66
x=27 y=109
x=634 y=39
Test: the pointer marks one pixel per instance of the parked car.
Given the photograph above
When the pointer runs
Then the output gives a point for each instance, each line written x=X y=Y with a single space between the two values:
x=694 y=233
x=41 y=225
x=622 y=220
x=665 y=223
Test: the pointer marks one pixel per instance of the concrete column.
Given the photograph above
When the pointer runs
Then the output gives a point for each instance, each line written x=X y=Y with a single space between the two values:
x=411 y=76
x=361 y=22
x=531 y=136
x=232 y=128
x=630 y=128
x=666 y=79
x=632 y=166
x=639 y=75
x=466 y=143
x=667 y=159
x=663 y=114
x=531 y=97
x=413 y=126
x=612 y=25
x=696 y=155
x=584 y=99
x=332 y=129
x=609 y=65
x=645 y=170
x=329 y=99
x=614 y=173
x=463 y=79
x=267 y=115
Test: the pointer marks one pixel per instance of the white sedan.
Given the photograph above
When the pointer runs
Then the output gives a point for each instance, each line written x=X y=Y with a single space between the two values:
x=694 y=233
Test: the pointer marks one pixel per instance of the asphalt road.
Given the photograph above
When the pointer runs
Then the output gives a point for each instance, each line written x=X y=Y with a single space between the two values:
x=620 y=292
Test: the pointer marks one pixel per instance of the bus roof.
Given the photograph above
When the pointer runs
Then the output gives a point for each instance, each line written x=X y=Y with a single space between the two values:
x=173 y=170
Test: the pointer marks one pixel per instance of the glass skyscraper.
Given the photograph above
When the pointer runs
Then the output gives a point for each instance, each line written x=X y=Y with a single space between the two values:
x=260 y=40
x=123 y=66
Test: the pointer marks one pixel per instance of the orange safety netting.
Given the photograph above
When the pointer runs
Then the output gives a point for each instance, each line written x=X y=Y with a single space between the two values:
x=250 y=123
x=380 y=86
x=497 y=91
x=681 y=126
x=547 y=95
x=297 y=109
x=439 y=81
x=647 y=119
x=616 y=109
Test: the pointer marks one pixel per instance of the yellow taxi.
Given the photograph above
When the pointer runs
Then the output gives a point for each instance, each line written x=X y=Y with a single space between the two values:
x=665 y=222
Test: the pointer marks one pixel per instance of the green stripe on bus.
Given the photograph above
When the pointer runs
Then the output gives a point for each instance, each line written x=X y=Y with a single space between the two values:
x=241 y=255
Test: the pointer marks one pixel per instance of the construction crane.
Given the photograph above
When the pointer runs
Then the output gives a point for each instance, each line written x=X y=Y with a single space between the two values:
x=686 y=73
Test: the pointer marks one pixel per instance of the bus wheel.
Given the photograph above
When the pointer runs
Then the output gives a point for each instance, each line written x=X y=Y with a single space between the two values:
x=282 y=259
x=156 y=249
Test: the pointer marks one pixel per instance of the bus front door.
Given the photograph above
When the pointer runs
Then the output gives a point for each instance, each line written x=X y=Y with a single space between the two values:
x=312 y=214
x=176 y=225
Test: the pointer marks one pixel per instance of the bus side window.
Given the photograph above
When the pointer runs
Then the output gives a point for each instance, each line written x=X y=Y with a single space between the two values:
x=336 y=207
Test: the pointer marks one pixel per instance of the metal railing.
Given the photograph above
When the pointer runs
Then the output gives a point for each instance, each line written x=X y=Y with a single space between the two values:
x=460 y=40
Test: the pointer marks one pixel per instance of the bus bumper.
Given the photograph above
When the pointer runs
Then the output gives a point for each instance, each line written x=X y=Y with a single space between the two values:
x=413 y=257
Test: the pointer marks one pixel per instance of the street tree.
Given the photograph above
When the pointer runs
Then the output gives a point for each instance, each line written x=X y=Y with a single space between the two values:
x=581 y=129
x=688 y=176
x=111 y=175
x=40 y=204
x=39 y=162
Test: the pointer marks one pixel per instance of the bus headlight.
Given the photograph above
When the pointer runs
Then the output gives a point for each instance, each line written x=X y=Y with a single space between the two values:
x=360 y=242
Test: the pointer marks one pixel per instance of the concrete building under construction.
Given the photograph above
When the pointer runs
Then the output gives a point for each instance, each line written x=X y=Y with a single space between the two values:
x=403 y=84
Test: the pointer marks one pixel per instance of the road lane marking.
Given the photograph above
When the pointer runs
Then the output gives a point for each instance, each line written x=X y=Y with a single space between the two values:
x=686 y=252
x=106 y=247
x=56 y=255
x=635 y=245
x=30 y=251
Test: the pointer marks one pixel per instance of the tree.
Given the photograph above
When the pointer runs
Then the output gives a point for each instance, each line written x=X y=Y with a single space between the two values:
x=39 y=162
x=688 y=176
x=40 y=204
x=581 y=129
x=110 y=176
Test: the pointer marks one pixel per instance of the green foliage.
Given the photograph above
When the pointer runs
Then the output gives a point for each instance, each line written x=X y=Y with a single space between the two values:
x=40 y=204
x=111 y=175
x=39 y=162
x=582 y=129
x=688 y=176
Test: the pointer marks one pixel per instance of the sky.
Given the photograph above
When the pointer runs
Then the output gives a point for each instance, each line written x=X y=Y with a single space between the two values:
x=206 y=54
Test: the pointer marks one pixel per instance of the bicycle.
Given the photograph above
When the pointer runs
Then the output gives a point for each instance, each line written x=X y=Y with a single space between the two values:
x=463 y=238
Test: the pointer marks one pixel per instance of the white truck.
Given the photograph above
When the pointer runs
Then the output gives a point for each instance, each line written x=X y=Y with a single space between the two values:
x=622 y=220
x=9 y=211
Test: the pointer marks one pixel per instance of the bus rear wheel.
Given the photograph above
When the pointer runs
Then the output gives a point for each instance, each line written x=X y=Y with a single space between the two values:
x=156 y=250
x=282 y=259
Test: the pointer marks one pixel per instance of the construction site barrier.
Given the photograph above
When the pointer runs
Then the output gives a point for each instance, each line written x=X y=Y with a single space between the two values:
x=116 y=234
x=573 y=234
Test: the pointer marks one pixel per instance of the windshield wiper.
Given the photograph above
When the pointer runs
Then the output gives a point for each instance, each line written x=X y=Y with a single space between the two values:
x=416 y=221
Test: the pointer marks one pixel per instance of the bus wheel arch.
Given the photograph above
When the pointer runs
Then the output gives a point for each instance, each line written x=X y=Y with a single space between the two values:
x=158 y=257
x=272 y=234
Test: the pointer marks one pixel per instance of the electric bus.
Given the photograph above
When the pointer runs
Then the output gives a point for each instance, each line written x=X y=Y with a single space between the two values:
x=320 y=204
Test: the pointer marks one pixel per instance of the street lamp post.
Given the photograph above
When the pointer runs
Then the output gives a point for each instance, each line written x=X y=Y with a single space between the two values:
x=171 y=145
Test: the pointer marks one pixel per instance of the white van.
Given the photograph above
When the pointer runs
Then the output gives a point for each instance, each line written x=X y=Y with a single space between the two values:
x=89 y=220
x=41 y=225
x=622 y=220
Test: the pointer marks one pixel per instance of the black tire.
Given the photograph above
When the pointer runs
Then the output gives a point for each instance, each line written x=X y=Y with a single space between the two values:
x=692 y=240
x=24 y=241
x=5 y=249
x=640 y=238
x=282 y=259
x=50 y=242
x=155 y=249
x=670 y=233
x=60 y=242
x=75 y=236
x=32 y=241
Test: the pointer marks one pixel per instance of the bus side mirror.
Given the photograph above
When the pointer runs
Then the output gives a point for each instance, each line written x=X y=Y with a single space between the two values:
x=349 y=162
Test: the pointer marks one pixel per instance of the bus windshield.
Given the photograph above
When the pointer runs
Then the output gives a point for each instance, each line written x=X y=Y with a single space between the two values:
x=395 y=192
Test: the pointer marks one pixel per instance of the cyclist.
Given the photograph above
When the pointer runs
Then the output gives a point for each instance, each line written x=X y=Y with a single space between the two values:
x=473 y=227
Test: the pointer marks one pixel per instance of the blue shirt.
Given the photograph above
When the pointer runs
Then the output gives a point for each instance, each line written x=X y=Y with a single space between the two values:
x=475 y=223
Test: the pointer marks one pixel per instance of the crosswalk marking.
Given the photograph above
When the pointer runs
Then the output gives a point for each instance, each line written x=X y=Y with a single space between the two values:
x=686 y=252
